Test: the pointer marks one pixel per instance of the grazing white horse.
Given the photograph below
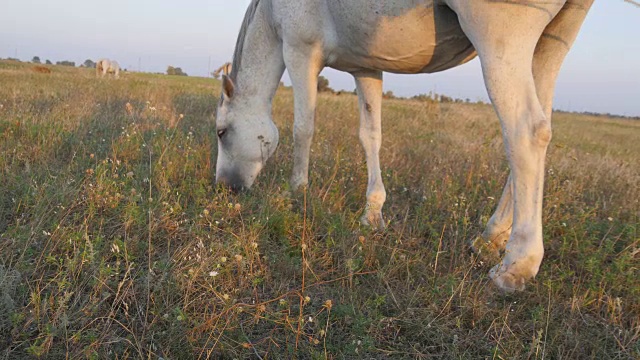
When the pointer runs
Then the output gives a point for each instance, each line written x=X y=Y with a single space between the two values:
x=106 y=66
x=521 y=45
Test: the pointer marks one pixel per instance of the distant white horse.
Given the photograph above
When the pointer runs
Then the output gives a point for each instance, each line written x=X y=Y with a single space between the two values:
x=521 y=45
x=106 y=66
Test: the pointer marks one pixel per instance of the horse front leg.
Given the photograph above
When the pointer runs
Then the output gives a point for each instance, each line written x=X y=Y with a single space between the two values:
x=369 y=85
x=304 y=63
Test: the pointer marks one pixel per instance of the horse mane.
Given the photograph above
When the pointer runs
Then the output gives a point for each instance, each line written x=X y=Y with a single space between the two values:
x=237 y=55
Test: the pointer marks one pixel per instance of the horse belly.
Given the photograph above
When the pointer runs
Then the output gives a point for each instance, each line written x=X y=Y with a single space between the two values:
x=397 y=36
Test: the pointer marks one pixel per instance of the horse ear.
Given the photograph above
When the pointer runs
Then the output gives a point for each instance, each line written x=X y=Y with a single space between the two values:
x=227 y=87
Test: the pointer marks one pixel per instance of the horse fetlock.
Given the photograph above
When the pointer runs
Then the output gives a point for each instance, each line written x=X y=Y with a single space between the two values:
x=492 y=242
x=498 y=236
x=298 y=182
x=373 y=217
x=516 y=268
x=485 y=249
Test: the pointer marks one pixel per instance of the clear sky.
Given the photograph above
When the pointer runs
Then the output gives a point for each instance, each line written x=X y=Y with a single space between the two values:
x=600 y=74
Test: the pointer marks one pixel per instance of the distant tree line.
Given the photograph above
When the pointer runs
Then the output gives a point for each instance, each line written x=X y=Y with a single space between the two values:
x=87 y=63
x=323 y=85
x=66 y=63
x=175 y=71
x=595 y=114
x=433 y=97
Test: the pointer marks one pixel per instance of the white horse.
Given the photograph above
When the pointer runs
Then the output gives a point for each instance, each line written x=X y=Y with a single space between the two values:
x=106 y=66
x=521 y=45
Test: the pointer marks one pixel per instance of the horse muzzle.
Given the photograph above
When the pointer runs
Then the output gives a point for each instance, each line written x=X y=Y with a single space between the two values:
x=231 y=181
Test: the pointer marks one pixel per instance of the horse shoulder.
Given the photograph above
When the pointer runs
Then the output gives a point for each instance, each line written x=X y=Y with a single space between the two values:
x=301 y=22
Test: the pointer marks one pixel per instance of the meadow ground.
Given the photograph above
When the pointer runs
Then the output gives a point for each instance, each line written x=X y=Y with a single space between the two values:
x=115 y=243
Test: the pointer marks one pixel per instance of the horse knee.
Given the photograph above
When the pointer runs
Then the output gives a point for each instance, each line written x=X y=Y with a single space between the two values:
x=369 y=135
x=303 y=131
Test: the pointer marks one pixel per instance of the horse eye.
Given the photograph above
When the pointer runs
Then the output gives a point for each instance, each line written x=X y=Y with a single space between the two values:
x=221 y=133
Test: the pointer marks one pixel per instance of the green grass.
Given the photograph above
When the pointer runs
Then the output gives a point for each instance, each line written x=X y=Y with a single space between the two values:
x=115 y=243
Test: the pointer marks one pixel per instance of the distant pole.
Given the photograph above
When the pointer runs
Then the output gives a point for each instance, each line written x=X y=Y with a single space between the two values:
x=139 y=64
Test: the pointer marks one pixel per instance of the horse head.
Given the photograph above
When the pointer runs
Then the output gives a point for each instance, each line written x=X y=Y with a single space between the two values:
x=247 y=137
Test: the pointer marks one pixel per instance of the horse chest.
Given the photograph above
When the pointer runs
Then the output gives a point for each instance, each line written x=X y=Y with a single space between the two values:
x=398 y=36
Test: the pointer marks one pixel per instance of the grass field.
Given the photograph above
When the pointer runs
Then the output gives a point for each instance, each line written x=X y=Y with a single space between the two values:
x=115 y=243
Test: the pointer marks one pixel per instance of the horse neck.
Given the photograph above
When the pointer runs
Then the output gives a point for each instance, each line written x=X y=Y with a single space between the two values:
x=261 y=64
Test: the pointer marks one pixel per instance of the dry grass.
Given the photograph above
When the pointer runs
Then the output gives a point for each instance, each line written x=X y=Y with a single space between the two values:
x=114 y=242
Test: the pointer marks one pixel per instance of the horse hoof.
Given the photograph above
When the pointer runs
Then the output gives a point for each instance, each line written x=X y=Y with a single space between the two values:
x=373 y=219
x=510 y=278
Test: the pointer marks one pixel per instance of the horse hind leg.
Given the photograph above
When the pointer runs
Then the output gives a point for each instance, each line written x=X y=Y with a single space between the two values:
x=549 y=54
x=553 y=46
x=527 y=132
x=369 y=87
x=506 y=54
